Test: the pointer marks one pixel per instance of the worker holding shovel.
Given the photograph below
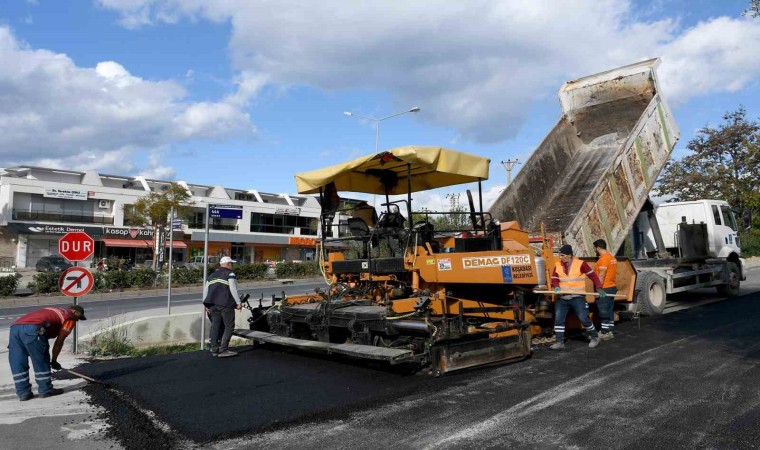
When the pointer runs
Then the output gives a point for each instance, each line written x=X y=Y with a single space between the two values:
x=29 y=337
x=570 y=276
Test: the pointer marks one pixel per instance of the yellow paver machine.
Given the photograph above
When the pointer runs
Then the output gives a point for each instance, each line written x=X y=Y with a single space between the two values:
x=400 y=290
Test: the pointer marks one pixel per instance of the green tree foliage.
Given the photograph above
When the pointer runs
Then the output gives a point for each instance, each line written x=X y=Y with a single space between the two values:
x=154 y=209
x=456 y=219
x=753 y=10
x=723 y=164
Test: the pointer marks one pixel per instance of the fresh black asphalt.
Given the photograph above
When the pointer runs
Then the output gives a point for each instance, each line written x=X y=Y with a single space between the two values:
x=682 y=380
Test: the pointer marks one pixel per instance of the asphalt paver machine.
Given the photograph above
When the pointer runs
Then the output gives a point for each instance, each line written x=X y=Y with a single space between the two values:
x=399 y=290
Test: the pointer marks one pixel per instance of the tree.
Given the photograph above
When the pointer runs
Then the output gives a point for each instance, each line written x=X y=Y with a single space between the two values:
x=154 y=209
x=723 y=165
x=753 y=10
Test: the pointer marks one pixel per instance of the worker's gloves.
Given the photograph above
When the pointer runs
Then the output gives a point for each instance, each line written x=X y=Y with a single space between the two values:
x=55 y=365
x=556 y=290
x=602 y=294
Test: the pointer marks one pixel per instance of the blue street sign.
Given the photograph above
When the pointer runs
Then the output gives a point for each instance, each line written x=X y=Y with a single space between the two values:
x=225 y=212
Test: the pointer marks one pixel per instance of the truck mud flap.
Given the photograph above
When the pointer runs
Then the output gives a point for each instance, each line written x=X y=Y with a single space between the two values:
x=391 y=355
x=462 y=355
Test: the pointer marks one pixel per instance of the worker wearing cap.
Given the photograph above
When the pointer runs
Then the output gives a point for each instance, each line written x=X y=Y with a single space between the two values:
x=569 y=278
x=606 y=269
x=29 y=339
x=221 y=299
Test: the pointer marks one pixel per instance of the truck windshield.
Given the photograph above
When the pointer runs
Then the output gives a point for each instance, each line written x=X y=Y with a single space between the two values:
x=728 y=217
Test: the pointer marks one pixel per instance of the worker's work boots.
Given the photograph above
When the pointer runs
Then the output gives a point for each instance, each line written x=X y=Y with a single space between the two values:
x=557 y=345
x=52 y=392
x=594 y=342
x=226 y=354
x=25 y=397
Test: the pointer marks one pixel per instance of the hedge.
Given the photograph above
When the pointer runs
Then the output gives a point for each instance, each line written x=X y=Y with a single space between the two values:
x=141 y=277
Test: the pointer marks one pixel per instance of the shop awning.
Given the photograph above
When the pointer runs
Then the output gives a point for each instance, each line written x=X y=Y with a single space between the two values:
x=175 y=244
x=132 y=243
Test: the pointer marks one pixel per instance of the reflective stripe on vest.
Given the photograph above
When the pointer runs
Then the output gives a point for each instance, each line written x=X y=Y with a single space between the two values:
x=574 y=281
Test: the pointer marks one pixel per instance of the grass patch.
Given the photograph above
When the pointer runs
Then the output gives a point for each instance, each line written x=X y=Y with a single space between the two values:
x=113 y=339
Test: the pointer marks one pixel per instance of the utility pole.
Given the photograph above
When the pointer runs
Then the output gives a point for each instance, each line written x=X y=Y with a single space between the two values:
x=509 y=165
x=453 y=201
x=454 y=219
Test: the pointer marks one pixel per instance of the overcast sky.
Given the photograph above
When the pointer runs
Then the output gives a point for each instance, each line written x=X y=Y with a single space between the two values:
x=246 y=94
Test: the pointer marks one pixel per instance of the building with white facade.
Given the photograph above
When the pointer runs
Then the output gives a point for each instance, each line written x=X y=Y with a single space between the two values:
x=39 y=205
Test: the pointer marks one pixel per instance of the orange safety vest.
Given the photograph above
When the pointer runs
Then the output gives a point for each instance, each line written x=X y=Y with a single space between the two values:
x=574 y=281
x=609 y=262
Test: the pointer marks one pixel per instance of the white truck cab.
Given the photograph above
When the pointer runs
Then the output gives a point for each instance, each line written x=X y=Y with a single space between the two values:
x=722 y=231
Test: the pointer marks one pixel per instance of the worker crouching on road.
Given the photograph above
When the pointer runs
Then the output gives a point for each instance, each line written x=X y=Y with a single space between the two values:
x=221 y=299
x=29 y=339
x=569 y=276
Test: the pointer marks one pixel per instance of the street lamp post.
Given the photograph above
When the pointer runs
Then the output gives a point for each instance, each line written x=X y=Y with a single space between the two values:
x=377 y=122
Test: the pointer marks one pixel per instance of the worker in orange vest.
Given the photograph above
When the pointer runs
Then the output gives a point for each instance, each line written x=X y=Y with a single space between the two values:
x=29 y=339
x=606 y=269
x=569 y=282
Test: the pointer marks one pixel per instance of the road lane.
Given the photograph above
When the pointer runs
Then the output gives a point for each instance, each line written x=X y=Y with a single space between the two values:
x=682 y=380
x=102 y=309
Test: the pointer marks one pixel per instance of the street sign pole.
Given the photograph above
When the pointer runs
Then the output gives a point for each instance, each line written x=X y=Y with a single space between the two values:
x=171 y=260
x=76 y=246
x=76 y=325
x=205 y=277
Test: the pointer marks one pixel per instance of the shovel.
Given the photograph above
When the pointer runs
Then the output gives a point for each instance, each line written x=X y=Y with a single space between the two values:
x=85 y=377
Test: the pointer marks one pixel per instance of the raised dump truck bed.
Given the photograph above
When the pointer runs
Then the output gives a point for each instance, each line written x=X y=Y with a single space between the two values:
x=592 y=173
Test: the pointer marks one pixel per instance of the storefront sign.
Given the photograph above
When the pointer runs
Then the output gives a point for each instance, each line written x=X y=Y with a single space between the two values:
x=68 y=194
x=136 y=233
x=128 y=233
x=288 y=211
x=302 y=241
x=59 y=230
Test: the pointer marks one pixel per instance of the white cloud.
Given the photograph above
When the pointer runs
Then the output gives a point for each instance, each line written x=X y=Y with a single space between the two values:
x=477 y=66
x=59 y=114
x=155 y=169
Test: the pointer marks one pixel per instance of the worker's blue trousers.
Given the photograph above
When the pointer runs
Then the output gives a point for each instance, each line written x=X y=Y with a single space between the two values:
x=580 y=308
x=26 y=343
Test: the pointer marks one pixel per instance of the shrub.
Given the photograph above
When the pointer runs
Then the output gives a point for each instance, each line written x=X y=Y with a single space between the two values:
x=141 y=277
x=99 y=281
x=297 y=270
x=8 y=284
x=256 y=271
x=185 y=275
x=44 y=283
x=117 y=279
x=750 y=243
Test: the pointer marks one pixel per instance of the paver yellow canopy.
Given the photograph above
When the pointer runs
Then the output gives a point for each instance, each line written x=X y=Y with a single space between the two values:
x=428 y=167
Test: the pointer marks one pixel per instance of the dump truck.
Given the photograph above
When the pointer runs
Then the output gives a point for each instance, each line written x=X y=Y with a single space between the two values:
x=591 y=178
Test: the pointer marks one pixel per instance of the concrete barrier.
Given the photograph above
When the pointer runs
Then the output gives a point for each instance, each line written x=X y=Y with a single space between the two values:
x=151 y=331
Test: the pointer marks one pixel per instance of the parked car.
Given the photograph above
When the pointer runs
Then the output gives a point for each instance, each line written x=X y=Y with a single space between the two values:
x=197 y=261
x=52 y=263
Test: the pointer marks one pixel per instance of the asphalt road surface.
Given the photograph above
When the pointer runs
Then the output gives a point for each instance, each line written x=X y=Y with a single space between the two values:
x=102 y=309
x=682 y=380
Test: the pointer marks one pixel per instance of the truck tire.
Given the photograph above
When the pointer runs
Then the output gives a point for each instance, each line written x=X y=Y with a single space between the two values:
x=734 y=280
x=651 y=293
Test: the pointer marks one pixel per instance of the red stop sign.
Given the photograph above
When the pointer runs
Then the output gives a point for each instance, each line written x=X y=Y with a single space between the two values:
x=76 y=246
